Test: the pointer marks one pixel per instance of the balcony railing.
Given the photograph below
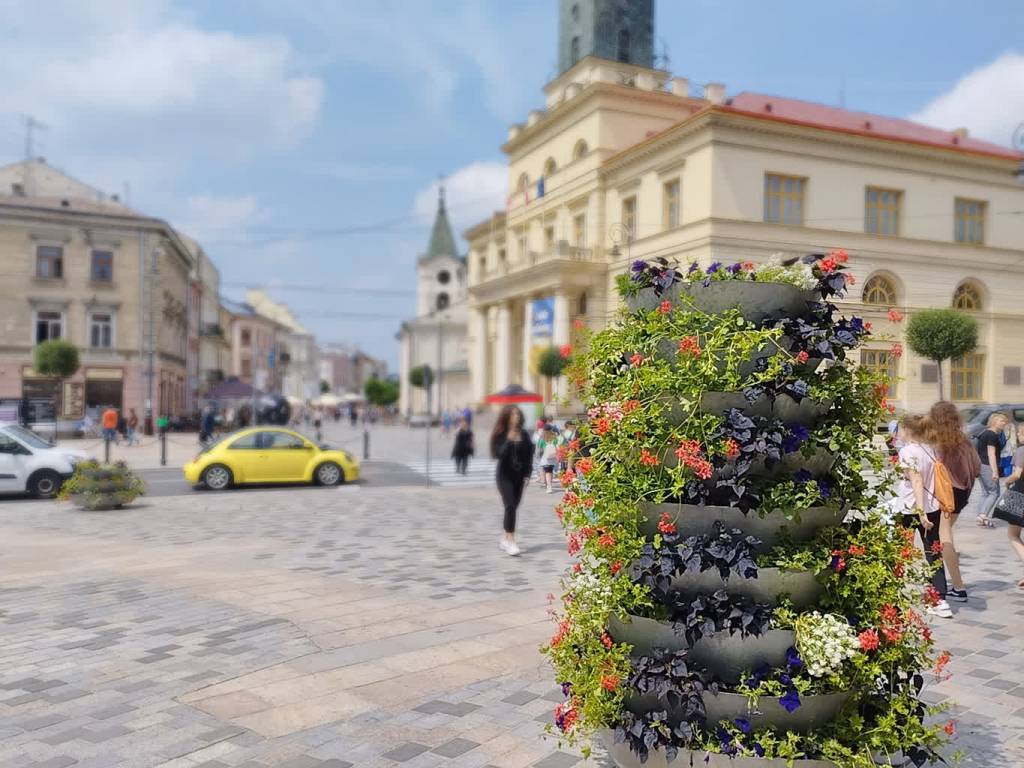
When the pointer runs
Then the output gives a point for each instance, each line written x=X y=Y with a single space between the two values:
x=212 y=330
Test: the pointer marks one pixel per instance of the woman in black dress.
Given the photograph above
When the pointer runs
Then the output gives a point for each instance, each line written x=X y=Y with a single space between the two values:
x=463 y=447
x=513 y=449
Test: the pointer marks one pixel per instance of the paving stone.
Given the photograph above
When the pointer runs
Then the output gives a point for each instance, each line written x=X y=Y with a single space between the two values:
x=34 y=724
x=455 y=747
x=520 y=697
x=557 y=760
x=405 y=752
x=60 y=761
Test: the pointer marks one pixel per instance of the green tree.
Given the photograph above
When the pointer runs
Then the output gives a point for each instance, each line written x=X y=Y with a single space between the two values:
x=325 y=386
x=421 y=377
x=60 y=359
x=380 y=392
x=941 y=334
x=550 y=364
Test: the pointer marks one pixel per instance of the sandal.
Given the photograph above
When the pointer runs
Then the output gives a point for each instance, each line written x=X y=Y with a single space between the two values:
x=984 y=522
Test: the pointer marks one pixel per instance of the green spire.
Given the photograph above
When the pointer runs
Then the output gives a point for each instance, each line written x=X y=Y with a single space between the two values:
x=442 y=241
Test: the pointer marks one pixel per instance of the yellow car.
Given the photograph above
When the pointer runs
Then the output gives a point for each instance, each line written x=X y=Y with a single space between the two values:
x=269 y=455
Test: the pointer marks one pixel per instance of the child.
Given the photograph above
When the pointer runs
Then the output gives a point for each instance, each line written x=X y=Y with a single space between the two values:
x=548 y=450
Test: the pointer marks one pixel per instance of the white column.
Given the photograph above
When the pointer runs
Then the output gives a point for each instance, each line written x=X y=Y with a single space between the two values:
x=404 y=366
x=504 y=342
x=478 y=353
x=527 y=343
x=561 y=333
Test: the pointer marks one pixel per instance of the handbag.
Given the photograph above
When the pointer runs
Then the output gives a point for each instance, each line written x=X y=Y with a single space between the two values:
x=1010 y=508
x=1005 y=466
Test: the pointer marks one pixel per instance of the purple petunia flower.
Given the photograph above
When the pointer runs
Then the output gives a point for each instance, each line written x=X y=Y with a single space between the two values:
x=638 y=266
x=566 y=689
x=802 y=476
x=744 y=725
x=824 y=488
x=791 y=701
x=797 y=435
x=715 y=266
x=758 y=749
x=734 y=268
x=693 y=268
x=793 y=659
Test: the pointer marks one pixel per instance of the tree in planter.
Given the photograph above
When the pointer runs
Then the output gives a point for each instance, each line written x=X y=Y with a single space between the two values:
x=421 y=377
x=60 y=359
x=551 y=364
x=325 y=387
x=941 y=334
x=383 y=393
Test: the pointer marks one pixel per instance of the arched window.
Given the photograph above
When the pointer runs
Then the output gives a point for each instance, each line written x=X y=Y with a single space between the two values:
x=967 y=296
x=575 y=11
x=581 y=305
x=444 y=276
x=880 y=290
x=580 y=150
x=550 y=166
x=624 y=45
x=442 y=300
x=523 y=183
x=574 y=50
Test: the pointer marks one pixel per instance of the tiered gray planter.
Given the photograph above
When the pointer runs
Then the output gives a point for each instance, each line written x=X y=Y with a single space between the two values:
x=756 y=301
x=686 y=758
x=695 y=520
x=818 y=462
x=771 y=583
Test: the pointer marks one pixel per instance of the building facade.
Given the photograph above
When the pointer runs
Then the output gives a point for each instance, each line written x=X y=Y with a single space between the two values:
x=300 y=379
x=437 y=336
x=81 y=266
x=257 y=345
x=625 y=164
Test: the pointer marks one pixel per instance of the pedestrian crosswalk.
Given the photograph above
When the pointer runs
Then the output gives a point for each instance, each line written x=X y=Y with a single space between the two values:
x=479 y=473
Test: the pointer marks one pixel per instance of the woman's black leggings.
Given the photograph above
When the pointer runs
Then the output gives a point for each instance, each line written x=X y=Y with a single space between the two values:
x=511 y=490
x=960 y=498
x=929 y=538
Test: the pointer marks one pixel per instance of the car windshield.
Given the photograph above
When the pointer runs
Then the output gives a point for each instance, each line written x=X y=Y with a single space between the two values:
x=970 y=412
x=28 y=437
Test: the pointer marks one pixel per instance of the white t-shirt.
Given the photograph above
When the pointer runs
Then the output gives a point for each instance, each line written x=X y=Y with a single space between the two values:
x=915 y=456
x=549 y=452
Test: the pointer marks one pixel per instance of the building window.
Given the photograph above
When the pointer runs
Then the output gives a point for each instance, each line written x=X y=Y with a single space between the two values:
x=580 y=150
x=523 y=183
x=784 y=199
x=246 y=368
x=574 y=50
x=879 y=290
x=966 y=375
x=102 y=266
x=629 y=218
x=49 y=326
x=522 y=247
x=670 y=204
x=575 y=12
x=579 y=230
x=549 y=239
x=482 y=264
x=879 y=361
x=246 y=337
x=581 y=306
x=967 y=296
x=970 y=221
x=101 y=330
x=624 y=45
x=882 y=211
x=444 y=276
x=50 y=261
x=442 y=301
x=550 y=166
x=502 y=257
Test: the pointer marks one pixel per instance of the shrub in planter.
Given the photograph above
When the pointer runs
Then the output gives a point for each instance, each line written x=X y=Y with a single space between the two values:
x=96 y=486
x=670 y=436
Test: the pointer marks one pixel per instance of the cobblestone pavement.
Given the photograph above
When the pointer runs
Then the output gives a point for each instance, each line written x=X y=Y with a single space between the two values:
x=375 y=629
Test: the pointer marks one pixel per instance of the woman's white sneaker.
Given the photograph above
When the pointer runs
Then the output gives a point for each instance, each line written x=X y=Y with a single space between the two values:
x=503 y=543
x=941 y=609
x=512 y=548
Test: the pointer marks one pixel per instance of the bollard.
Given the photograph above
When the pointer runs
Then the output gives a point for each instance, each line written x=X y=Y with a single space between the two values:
x=366 y=444
x=163 y=448
x=106 y=449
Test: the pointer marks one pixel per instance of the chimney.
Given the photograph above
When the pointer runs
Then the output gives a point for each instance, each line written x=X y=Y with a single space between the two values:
x=715 y=93
x=681 y=86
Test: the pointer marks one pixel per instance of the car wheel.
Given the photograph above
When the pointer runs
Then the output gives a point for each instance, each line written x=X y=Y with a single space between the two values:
x=329 y=474
x=217 y=477
x=44 y=484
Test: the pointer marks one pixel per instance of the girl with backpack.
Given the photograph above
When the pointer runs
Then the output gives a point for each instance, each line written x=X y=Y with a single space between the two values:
x=915 y=500
x=963 y=464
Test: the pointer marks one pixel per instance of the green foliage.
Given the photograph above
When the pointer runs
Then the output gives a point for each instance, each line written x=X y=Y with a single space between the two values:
x=381 y=392
x=940 y=334
x=421 y=377
x=58 y=358
x=325 y=386
x=551 y=363
x=98 y=486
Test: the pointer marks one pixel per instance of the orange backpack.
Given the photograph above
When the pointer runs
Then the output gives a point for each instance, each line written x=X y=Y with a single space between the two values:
x=943 y=482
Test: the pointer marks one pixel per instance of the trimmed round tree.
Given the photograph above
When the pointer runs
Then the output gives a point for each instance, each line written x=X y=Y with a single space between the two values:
x=551 y=363
x=60 y=359
x=941 y=334
x=740 y=592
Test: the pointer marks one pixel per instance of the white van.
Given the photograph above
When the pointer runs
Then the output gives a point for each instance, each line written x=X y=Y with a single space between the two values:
x=29 y=464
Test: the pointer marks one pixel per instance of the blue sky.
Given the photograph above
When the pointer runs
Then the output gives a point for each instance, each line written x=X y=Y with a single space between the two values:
x=273 y=130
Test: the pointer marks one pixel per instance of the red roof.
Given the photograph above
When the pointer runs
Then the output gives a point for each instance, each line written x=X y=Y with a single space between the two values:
x=861 y=123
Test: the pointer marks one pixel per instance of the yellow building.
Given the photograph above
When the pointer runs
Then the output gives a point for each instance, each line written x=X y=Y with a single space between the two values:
x=625 y=164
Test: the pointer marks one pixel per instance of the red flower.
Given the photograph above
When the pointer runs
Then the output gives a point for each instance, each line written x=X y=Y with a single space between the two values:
x=892 y=634
x=647 y=458
x=616 y=567
x=747 y=265
x=732 y=449
x=665 y=524
x=908 y=553
x=577 y=324
x=588 y=502
x=827 y=265
x=895 y=316
x=565 y=350
x=610 y=682
x=630 y=405
x=562 y=453
x=569 y=497
x=574 y=544
x=850 y=279
x=666 y=306
x=803 y=357
x=867 y=326
x=585 y=464
x=896 y=350
x=559 y=513
x=568 y=477
x=702 y=469
x=577 y=568
x=950 y=728
x=688 y=450
x=931 y=596
x=636 y=360
x=606 y=641
x=936 y=547
x=560 y=633
x=894 y=459
x=601 y=426
x=841 y=256
x=690 y=346
x=607 y=541
x=941 y=662
x=889 y=613
x=574 y=444
x=587 y=531
x=899 y=570
x=856 y=550
x=868 y=640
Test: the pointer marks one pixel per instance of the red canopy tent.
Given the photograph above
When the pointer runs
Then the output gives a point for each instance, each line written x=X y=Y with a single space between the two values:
x=513 y=394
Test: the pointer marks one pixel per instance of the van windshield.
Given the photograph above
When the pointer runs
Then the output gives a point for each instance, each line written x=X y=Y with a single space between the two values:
x=28 y=437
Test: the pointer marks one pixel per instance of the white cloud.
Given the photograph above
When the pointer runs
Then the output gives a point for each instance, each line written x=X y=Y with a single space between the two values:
x=988 y=101
x=472 y=193
x=219 y=218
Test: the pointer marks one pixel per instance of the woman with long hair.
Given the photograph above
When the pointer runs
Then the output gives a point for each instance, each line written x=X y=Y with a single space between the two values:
x=513 y=449
x=990 y=443
x=962 y=462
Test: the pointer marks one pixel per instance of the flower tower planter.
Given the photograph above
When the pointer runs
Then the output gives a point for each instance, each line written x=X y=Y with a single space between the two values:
x=740 y=596
x=96 y=487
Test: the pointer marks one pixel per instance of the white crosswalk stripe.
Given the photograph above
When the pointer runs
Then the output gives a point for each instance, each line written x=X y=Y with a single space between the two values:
x=479 y=473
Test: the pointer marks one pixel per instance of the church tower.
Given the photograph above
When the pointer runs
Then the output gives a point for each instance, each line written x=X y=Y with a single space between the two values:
x=616 y=30
x=441 y=272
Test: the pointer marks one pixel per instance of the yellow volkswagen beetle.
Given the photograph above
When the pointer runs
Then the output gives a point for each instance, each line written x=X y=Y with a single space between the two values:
x=269 y=455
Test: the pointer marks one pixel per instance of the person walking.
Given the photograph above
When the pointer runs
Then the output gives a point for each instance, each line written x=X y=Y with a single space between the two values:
x=513 y=449
x=547 y=449
x=463 y=447
x=964 y=466
x=989 y=444
x=915 y=500
x=206 y=425
x=1015 y=482
x=467 y=414
x=109 y=423
x=446 y=422
x=133 y=427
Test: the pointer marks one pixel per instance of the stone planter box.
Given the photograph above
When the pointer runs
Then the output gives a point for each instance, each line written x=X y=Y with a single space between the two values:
x=813 y=712
x=623 y=757
x=801 y=586
x=818 y=463
x=101 y=505
x=695 y=520
x=725 y=655
x=807 y=412
x=756 y=301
